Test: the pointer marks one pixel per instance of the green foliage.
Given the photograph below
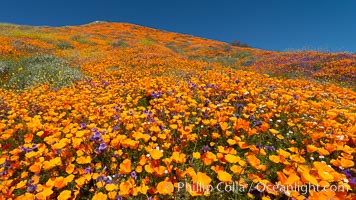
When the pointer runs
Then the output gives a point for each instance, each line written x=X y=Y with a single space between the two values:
x=120 y=42
x=25 y=47
x=146 y=42
x=226 y=61
x=113 y=68
x=80 y=39
x=241 y=54
x=227 y=48
x=3 y=68
x=62 y=44
x=317 y=67
x=144 y=102
x=174 y=47
x=248 y=61
x=39 y=70
x=17 y=31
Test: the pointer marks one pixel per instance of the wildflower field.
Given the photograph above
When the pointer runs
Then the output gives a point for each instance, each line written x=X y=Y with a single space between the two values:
x=120 y=111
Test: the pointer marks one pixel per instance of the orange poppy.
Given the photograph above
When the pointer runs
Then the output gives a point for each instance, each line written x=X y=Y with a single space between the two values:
x=83 y=160
x=202 y=179
x=125 y=167
x=236 y=169
x=232 y=158
x=224 y=126
x=224 y=176
x=125 y=188
x=208 y=158
x=35 y=168
x=100 y=196
x=274 y=158
x=156 y=154
x=345 y=163
x=111 y=187
x=253 y=160
x=273 y=131
x=64 y=195
x=165 y=187
x=70 y=168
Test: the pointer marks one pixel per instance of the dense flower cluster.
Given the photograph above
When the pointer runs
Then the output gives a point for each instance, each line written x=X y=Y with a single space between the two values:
x=147 y=120
x=337 y=68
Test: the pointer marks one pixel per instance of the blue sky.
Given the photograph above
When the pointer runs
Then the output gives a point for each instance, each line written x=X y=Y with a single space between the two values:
x=328 y=25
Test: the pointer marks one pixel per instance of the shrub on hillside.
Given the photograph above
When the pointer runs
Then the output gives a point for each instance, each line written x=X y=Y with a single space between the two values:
x=120 y=42
x=81 y=39
x=3 y=67
x=39 y=70
x=238 y=43
x=62 y=44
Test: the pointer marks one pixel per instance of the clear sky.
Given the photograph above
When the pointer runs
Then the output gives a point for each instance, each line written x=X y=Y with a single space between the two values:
x=328 y=25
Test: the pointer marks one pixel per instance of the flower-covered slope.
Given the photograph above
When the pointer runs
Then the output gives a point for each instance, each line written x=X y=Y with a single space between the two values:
x=151 y=114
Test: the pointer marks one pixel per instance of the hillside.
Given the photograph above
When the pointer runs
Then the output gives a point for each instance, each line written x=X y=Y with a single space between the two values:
x=113 y=110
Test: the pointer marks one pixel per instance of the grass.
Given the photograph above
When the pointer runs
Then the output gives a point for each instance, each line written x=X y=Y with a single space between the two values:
x=37 y=70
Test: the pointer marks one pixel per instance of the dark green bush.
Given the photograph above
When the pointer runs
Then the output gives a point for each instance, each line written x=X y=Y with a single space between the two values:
x=238 y=43
x=39 y=70
x=120 y=42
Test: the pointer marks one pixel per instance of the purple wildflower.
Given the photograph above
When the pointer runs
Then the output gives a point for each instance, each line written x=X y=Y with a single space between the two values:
x=237 y=115
x=100 y=178
x=161 y=127
x=87 y=170
x=115 y=128
x=240 y=106
x=31 y=188
x=256 y=193
x=353 y=180
x=96 y=136
x=257 y=123
x=270 y=148
x=206 y=148
x=3 y=173
x=118 y=197
x=134 y=175
x=190 y=157
x=58 y=151
x=101 y=147
x=83 y=126
x=347 y=173
x=206 y=103
x=217 y=126
x=156 y=95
